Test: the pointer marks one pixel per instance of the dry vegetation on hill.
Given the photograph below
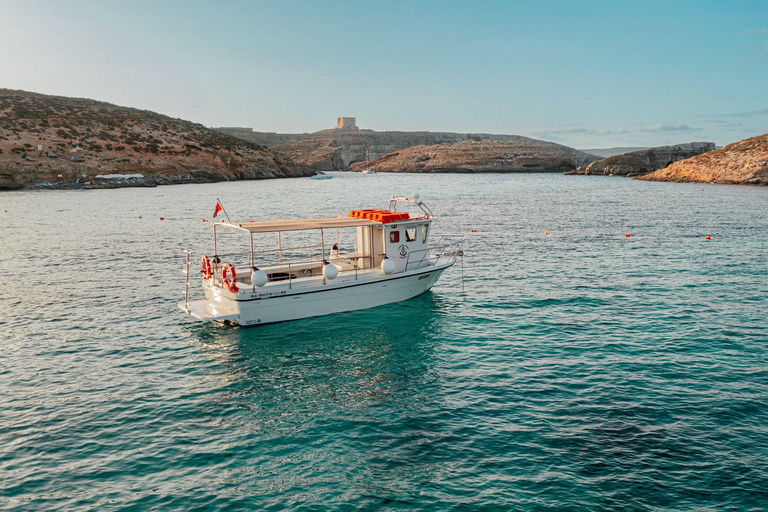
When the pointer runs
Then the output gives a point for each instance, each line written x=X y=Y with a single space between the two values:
x=114 y=139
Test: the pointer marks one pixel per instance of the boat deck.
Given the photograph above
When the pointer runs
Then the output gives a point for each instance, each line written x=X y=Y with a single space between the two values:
x=204 y=310
x=298 y=279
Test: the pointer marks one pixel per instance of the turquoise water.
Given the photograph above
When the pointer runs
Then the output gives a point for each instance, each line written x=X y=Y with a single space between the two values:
x=579 y=370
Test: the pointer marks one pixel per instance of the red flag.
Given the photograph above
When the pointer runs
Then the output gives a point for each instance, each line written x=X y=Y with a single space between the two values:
x=218 y=209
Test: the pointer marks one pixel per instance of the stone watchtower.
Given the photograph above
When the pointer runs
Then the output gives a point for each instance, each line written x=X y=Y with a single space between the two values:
x=346 y=123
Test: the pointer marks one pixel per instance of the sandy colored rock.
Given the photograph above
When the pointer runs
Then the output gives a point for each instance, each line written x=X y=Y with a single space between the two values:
x=740 y=163
x=525 y=155
x=638 y=163
x=81 y=136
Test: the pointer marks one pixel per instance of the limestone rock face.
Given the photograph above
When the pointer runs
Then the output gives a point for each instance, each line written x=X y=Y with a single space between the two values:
x=740 y=163
x=606 y=152
x=526 y=155
x=14 y=176
x=323 y=154
x=638 y=163
x=80 y=136
x=338 y=149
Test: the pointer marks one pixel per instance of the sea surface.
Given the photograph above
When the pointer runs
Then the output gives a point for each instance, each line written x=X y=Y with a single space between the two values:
x=576 y=369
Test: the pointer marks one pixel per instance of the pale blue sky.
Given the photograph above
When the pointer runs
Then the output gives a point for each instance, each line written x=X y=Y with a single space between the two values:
x=585 y=74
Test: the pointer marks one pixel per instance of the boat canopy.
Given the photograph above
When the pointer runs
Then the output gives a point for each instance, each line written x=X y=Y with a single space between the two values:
x=299 y=224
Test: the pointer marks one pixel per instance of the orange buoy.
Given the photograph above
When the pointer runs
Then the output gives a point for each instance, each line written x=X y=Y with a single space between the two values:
x=473 y=231
x=546 y=232
x=707 y=238
x=205 y=265
x=229 y=284
x=627 y=235
x=162 y=218
x=139 y=216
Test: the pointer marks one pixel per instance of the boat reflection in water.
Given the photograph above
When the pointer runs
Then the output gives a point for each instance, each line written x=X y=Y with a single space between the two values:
x=354 y=390
x=363 y=356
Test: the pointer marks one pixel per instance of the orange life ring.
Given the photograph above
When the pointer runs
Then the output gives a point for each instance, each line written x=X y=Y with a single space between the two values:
x=229 y=284
x=205 y=263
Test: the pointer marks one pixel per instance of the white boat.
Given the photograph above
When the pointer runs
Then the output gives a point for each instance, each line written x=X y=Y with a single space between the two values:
x=308 y=272
x=320 y=175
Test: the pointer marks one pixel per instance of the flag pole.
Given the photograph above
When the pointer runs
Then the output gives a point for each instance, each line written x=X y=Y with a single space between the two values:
x=225 y=211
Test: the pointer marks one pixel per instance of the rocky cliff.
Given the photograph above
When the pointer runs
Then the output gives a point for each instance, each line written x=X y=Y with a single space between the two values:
x=638 y=163
x=740 y=163
x=81 y=136
x=525 y=155
x=330 y=150
x=324 y=154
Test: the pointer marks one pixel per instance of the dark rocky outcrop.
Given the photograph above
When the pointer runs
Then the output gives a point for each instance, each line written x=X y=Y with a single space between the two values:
x=638 y=163
x=740 y=163
x=526 y=155
x=81 y=136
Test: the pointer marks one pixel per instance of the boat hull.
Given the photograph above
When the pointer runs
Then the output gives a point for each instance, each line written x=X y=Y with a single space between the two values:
x=251 y=310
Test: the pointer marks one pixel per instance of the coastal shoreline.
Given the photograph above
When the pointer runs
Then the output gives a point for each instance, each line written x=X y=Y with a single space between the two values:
x=111 y=184
x=131 y=183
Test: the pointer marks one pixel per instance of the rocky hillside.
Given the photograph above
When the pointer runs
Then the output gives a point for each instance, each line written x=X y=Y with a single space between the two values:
x=334 y=149
x=638 y=163
x=526 y=155
x=82 y=136
x=740 y=163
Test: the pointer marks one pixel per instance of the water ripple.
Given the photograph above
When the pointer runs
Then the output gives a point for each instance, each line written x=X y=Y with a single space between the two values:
x=579 y=370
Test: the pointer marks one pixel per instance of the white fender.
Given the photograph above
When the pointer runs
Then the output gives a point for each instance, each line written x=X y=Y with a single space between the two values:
x=330 y=271
x=258 y=278
x=388 y=266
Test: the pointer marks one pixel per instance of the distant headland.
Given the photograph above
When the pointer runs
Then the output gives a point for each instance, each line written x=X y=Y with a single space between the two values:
x=54 y=141
x=644 y=161
x=740 y=163
x=346 y=147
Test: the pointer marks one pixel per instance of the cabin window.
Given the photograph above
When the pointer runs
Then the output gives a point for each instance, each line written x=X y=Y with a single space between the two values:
x=394 y=237
x=410 y=234
x=424 y=230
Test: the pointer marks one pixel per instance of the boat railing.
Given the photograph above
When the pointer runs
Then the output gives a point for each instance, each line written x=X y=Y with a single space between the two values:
x=433 y=253
x=283 y=254
x=341 y=271
x=248 y=259
x=414 y=200
x=288 y=264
